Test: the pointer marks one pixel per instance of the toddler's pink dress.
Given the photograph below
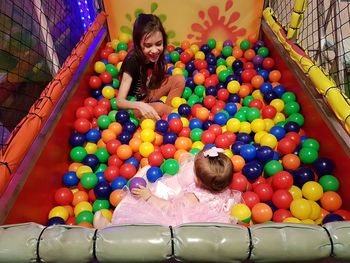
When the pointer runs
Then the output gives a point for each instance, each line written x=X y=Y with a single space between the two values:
x=212 y=207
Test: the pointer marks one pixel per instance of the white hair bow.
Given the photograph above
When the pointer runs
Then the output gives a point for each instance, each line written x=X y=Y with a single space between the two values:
x=213 y=152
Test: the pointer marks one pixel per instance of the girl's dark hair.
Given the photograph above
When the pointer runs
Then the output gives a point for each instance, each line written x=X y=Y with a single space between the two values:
x=144 y=25
x=214 y=173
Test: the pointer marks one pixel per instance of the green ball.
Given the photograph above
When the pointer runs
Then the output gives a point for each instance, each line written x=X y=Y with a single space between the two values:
x=131 y=113
x=100 y=204
x=223 y=75
x=194 y=151
x=110 y=68
x=288 y=97
x=241 y=116
x=101 y=168
x=247 y=100
x=193 y=99
x=196 y=134
x=185 y=73
x=244 y=45
x=272 y=167
x=111 y=115
x=221 y=62
x=84 y=216
x=115 y=83
x=252 y=114
x=174 y=56
x=78 y=153
x=244 y=109
x=171 y=166
x=329 y=183
x=187 y=92
x=263 y=51
x=281 y=123
x=102 y=155
x=199 y=90
x=103 y=122
x=122 y=46
x=135 y=121
x=308 y=155
x=291 y=107
x=114 y=103
x=227 y=51
x=131 y=98
x=311 y=143
x=230 y=70
x=89 y=180
x=297 y=117
x=211 y=43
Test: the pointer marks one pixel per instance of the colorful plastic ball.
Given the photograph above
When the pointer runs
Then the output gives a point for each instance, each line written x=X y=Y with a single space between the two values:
x=280 y=215
x=102 y=190
x=116 y=197
x=323 y=166
x=170 y=166
x=56 y=220
x=136 y=182
x=78 y=153
x=154 y=173
x=263 y=51
x=91 y=160
x=329 y=183
x=59 y=211
x=241 y=212
x=291 y=107
x=248 y=152
x=146 y=148
x=331 y=201
x=344 y=213
x=252 y=170
x=261 y=213
x=282 y=199
x=312 y=190
x=169 y=138
x=77 y=139
x=272 y=167
x=264 y=154
x=89 y=180
x=161 y=126
x=127 y=170
x=124 y=137
x=118 y=183
x=332 y=217
x=122 y=116
x=278 y=132
x=301 y=208
x=302 y=175
x=84 y=216
x=264 y=191
x=70 y=179
x=268 y=111
x=100 y=204
x=184 y=110
x=308 y=155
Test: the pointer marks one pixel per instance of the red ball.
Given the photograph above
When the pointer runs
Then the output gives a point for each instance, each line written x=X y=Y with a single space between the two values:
x=82 y=125
x=343 y=213
x=63 y=196
x=258 y=181
x=280 y=214
x=222 y=141
x=256 y=103
x=250 y=198
x=216 y=128
x=90 y=101
x=209 y=101
x=285 y=146
x=168 y=151
x=155 y=159
x=194 y=109
x=92 y=196
x=216 y=108
x=248 y=65
x=293 y=136
x=210 y=81
x=111 y=172
x=127 y=170
x=106 y=77
x=223 y=94
x=205 y=72
x=95 y=82
x=268 y=63
x=83 y=112
x=100 y=110
x=282 y=180
x=264 y=192
x=247 y=75
x=200 y=64
x=185 y=132
x=239 y=182
x=185 y=57
x=105 y=103
x=282 y=198
x=114 y=160
x=208 y=137
x=175 y=125
x=112 y=146
x=268 y=112
x=231 y=136
x=105 y=53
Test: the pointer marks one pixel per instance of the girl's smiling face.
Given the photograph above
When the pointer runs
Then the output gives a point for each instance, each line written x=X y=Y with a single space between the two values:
x=152 y=46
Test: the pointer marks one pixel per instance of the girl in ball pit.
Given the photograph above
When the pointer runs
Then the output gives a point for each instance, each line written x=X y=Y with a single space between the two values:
x=198 y=193
x=143 y=72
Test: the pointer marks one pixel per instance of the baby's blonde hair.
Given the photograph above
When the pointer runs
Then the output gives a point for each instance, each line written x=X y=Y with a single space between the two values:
x=214 y=173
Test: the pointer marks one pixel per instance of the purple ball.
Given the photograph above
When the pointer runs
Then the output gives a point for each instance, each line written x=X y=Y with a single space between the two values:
x=227 y=43
x=257 y=60
x=136 y=182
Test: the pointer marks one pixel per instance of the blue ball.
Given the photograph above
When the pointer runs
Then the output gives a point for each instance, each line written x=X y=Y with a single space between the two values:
x=56 y=220
x=207 y=124
x=96 y=93
x=101 y=176
x=220 y=118
x=278 y=131
x=323 y=166
x=264 y=73
x=302 y=175
x=212 y=68
x=332 y=218
x=134 y=162
x=118 y=183
x=154 y=173
x=91 y=160
x=279 y=90
x=244 y=137
x=231 y=108
x=129 y=127
x=179 y=49
x=234 y=98
x=264 y=154
x=252 y=170
x=162 y=126
x=184 y=110
x=124 y=137
x=211 y=90
x=211 y=60
x=265 y=87
x=236 y=146
x=169 y=138
x=102 y=190
x=208 y=146
x=70 y=179
x=237 y=64
x=173 y=115
x=93 y=135
x=205 y=48
x=122 y=116
x=270 y=96
x=167 y=58
x=77 y=139
x=291 y=126
x=190 y=67
x=248 y=152
x=195 y=123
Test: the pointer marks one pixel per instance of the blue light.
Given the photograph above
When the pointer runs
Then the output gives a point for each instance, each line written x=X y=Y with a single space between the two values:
x=79 y=3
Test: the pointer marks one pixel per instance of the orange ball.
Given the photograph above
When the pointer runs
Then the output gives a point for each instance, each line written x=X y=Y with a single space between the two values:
x=122 y=54
x=238 y=163
x=79 y=196
x=158 y=140
x=331 y=201
x=237 y=52
x=253 y=37
x=185 y=44
x=85 y=224
x=256 y=81
x=73 y=167
x=275 y=75
x=249 y=54
x=113 y=58
x=69 y=209
x=261 y=213
x=108 y=135
x=244 y=90
x=183 y=143
x=101 y=144
x=199 y=78
x=116 y=127
x=216 y=52
x=189 y=51
x=116 y=196
x=134 y=144
x=124 y=152
x=144 y=162
x=290 y=161
x=202 y=113
x=179 y=153
x=137 y=134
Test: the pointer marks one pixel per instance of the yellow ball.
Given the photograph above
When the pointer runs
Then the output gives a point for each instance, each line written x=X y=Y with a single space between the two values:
x=224 y=128
x=279 y=117
x=119 y=65
x=114 y=43
x=194 y=48
x=295 y=191
x=300 y=208
x=177 y=71
x=123 y=37
x=108 y=92
x=257 y=94
x=146 y=148
x=292 y=220
x=268 y=124
x=99 y=67
x=308 y=221
x=233 y=86
x=83 y=170
x=163 y=98
x=230 y=60
x=315 y=210
x=90 y=147
x=233 y=125
x=82 y=206
x=245 y=127
x=176 y=102
x=220 y=68
x=241 y=212
x=59 y=211
x=199 y=55
x=312 y=191
x=147 y=135
x=259 y=135
x=228 y=153
x=198 y=145
x=257 y=125
x=219 y=45
x=148 y=124
x=278 y=104
x=268 y=140
x=107 y=214
x=185 y=122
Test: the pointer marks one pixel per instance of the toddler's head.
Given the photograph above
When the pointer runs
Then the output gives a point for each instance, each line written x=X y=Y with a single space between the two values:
x=213 y=169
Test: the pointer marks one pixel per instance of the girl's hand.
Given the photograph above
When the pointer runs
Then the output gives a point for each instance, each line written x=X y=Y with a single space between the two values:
x=142 y=192
x=148 y=111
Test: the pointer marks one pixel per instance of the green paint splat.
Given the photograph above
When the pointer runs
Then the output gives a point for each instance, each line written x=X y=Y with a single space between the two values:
x=138 y=12
x=162 y=18
x=128 y=17
x=171 y=34
x=154 y=7
x=126 y=30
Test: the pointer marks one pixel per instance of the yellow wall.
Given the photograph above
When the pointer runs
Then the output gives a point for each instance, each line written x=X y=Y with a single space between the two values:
x=194 y=20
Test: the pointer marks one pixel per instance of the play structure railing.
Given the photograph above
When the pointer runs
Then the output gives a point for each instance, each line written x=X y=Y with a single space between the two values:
x=187 y=243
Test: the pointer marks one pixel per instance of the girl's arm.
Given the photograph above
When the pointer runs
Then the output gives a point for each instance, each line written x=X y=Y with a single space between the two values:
x=122 y=103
